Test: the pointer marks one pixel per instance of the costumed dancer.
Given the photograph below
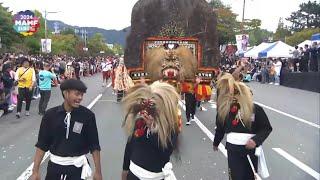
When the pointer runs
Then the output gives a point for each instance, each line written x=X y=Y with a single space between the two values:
x=246 y=125
x=190 y=100
x=152 y=123
x=69 y=132
x=122 y=80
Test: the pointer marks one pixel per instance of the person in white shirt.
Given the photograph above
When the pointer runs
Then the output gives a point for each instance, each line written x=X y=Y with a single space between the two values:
x=277 y=66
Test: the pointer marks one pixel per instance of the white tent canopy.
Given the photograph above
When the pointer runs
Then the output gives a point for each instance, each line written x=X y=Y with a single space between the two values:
x=254 y=52
x=278 y=49
x=304 y=43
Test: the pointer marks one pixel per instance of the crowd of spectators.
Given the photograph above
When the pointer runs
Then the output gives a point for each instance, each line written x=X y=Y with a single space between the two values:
x=63 y=67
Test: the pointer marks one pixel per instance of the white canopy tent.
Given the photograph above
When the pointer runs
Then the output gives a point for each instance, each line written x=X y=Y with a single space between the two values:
x=276 y=50
x=254 y=52
x=304 y=43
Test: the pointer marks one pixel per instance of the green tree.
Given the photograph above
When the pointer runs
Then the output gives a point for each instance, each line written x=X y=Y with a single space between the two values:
x=299 y=37
x=67 y=31
x=217 y=4
x=227 y=23
x=308 y=16
x=251 y=25
x=282 y=32
x=64 y=44
x=8 y=35
x=258 y=36
x=118 y=49
x=96 y=44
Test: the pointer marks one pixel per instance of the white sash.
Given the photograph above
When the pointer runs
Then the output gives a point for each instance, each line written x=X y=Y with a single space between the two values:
x=142 y=174
x=242 y=139
x=80 y=161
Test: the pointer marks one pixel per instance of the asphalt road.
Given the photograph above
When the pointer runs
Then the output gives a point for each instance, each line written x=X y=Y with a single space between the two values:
x=292 y=150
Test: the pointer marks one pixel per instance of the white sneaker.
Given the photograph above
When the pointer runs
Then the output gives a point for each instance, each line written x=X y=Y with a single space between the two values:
x=271 y=83
x=27 y=113
x=188 y=123
x=277 y=84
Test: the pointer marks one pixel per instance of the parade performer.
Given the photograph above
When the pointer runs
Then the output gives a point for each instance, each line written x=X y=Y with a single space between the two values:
x=246 y=125
x=106 y=70
x=152 y=123
x=122 y=80
x=69 y=132
x=187 y=90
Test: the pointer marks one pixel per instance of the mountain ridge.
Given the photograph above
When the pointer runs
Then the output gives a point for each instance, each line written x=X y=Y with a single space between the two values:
x=111 y=36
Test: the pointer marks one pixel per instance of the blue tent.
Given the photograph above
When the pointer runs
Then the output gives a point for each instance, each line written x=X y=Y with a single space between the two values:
x=315 y=37
x=277 y=49
x=264 y=53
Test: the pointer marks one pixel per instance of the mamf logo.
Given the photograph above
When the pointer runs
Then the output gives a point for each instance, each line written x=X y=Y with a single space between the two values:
x=26 y=23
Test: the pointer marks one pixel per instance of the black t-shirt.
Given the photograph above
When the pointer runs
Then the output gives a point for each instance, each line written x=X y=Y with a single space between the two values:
x=147 y=153
x=260 y=126
x=83 y=133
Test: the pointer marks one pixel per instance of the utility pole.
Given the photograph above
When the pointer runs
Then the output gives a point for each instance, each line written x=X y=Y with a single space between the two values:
x=46 y=28
x=243 y=10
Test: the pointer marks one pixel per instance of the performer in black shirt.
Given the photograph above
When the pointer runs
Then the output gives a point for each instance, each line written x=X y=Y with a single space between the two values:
x=153 y=124
x=69 y=132
x=246 y=125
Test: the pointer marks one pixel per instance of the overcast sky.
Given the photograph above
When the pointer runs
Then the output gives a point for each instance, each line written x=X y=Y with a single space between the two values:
x=116 y=14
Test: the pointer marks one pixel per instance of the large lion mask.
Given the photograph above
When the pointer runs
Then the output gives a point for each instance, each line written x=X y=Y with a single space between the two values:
x=170 y=64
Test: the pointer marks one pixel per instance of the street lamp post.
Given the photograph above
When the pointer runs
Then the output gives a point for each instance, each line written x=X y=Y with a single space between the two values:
x=45 y=27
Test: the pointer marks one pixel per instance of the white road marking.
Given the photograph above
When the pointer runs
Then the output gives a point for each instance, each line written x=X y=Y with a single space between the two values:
x=214 y=106
x=94 y=101
x=221 y=147
x=106 y=100
x=204 y=109
x=298 y=163
x=109 y=85
x=289 y=115
x=28 y=172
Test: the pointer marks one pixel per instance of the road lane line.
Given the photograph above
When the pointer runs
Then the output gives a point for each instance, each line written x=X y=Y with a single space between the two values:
x=28 y=172
x=94 y=101
x=298 y=163
x=221 y=147
x=109 y=85
x=214 y=106
x=289 y=115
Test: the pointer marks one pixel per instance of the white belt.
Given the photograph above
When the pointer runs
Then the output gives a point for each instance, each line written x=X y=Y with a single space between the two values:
x=242 y=139
x=142 y=174
x=80 y=161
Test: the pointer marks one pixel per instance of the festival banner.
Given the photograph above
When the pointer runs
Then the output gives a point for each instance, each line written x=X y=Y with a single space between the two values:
x=26 y=23
x=242 y=42
x=46 y=45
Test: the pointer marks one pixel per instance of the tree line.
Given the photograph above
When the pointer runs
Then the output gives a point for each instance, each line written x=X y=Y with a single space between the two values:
x=303 y=23
x=64 y=43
